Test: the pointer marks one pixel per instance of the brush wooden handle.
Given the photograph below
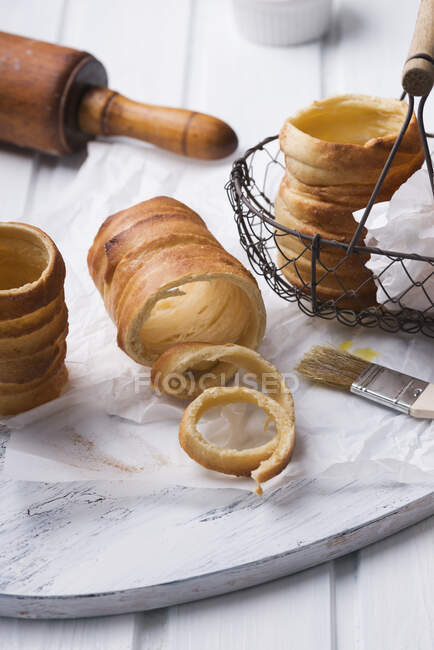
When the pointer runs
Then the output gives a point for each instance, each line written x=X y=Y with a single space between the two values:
x=424 y=405
x=418 y=74
x=106 y=112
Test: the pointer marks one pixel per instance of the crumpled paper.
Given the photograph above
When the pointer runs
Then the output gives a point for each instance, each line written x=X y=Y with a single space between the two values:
x=109 y=425
x=404 y=224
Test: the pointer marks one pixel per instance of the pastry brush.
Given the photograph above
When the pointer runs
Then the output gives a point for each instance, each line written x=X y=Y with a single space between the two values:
x=332 y=367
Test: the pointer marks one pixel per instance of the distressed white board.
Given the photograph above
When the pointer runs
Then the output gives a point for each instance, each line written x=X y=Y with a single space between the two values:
x=74 y=550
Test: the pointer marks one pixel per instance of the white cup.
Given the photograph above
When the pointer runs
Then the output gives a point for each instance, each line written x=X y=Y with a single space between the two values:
x=282 y=22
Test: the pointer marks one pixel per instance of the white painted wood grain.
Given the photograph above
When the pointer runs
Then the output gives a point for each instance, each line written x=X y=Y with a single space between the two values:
x=253 y=87
x=18 y=167
x=142 y=44
x=276 y=615
x=104 y=633
x=367 y=47
x=144 y=48
x=395 y=591
x=344 y=581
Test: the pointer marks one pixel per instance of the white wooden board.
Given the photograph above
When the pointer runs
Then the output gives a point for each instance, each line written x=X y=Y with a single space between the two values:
x=78 y=550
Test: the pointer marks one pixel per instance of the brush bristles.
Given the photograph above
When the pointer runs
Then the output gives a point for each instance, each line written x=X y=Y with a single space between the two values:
x=330 y=366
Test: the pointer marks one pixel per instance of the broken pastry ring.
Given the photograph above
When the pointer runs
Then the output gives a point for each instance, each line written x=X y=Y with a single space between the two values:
x=261 y=463
x=187 y=369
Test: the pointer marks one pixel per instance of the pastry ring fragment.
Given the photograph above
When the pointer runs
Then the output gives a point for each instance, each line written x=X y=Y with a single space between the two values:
x=179 y=372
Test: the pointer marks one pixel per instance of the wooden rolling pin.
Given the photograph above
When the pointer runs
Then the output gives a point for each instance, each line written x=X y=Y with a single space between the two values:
x=55 y=99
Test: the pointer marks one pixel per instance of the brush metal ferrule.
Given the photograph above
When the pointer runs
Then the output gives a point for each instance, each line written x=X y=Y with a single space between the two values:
x=388 y=387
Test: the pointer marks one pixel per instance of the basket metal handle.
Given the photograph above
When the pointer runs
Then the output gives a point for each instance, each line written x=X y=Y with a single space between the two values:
x=417 y=81
x=418 y=72
x=358 y=234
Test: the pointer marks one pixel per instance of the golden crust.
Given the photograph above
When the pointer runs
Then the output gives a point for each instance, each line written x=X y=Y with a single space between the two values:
x=256 y=462
x=350 y=132
x=45 y=391
x=157 y=231
x=354 y=195
x=158 y=253
x=334 y=152
x=23 y=369
x=186 y=369
x=261 y=463
x=17 y=301
x=161 y=250
x=163 y=275
x=335 y=272
x=192 y=357
x=300 y=275
x=307 y=212
x=121 y=222
x=25 y=325
x=8 y=388
x=312 y=175
x=23 y=346
x=33 y=318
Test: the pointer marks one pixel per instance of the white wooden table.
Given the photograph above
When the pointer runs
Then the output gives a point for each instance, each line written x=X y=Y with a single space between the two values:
x=187 y=52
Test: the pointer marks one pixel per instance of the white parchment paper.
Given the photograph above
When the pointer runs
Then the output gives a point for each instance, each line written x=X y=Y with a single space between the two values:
x=404 y=224
x=109 y=425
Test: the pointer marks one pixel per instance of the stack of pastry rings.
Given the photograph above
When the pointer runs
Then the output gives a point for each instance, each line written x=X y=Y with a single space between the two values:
x=33 y=319
x=190 y=370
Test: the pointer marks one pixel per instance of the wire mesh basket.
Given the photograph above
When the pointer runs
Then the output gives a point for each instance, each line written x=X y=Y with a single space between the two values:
x=252 y=187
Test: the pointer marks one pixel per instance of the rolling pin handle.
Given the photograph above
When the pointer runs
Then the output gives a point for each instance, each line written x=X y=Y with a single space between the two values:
x=105 y=112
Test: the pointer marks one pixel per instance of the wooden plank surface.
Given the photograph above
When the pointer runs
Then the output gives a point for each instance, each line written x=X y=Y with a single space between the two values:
x=18 y=168
x=396 y=590
x=106 y=633
x=189 y=52
x=262 y=617
x=231 y=77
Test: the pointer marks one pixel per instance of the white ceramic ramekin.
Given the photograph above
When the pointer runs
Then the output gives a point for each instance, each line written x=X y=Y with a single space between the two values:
x=282 y=22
